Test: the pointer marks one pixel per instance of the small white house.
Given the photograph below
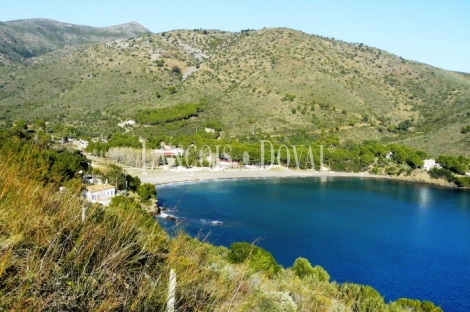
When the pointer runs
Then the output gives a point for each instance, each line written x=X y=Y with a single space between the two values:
x=101 y=193
x=430 y=163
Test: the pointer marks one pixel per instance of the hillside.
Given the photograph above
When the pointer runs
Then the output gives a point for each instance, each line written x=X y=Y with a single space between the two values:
x=24 y=39
x=119 y=258
x=281 y=82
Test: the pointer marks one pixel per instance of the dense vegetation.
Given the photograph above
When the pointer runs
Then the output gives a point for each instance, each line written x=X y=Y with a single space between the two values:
x=277 y=82
x=169 y=114
x=44 y=165
x=119 y=258
x=297 y=151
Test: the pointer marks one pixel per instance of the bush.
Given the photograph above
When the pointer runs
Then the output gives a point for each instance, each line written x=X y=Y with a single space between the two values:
x=289 y=97
x=146 y=191
x=463 y=181
x=303 y=268
x=437 y=173
x=172 y=89
x=176 y=70
x=123 y=202
x=133 y=182
x=414 y=305
x=259 y=259
x=365 y=298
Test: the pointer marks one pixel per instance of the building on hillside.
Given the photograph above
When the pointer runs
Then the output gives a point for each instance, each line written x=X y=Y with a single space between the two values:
x=100 y=193
x=430 y=163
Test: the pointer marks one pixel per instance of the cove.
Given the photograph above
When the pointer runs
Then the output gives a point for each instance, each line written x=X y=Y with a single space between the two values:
x=404 y=239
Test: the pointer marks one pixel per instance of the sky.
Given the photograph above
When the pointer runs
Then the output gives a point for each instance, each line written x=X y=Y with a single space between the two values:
x=435 y=32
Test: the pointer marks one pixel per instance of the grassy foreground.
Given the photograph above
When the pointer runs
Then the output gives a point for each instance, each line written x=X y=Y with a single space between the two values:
x=119 y=258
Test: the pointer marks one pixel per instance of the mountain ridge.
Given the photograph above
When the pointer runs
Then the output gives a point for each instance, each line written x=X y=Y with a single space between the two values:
x=280 y=81
x=26 y=38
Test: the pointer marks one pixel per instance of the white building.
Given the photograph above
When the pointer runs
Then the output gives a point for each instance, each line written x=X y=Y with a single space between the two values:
x=430 y=163
x=101 y=193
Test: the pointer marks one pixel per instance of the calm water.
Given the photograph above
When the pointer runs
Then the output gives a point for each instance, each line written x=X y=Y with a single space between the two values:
x=403 y=239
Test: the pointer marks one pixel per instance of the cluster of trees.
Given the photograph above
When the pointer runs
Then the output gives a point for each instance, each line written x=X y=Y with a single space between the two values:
x=259 y=259
x=455 y=164
x=43 y=163
x=166 y=115
x=345 y=157
x=406 y=155
x=465 y=129
x=348 y=156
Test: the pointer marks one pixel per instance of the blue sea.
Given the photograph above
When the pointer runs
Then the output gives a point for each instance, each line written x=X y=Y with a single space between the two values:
x=404 y=239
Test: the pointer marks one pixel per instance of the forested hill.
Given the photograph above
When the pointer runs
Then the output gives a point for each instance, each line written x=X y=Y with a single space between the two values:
x=279 y=82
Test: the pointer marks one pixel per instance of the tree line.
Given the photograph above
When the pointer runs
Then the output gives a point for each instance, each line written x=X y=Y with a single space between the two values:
x=170 y=114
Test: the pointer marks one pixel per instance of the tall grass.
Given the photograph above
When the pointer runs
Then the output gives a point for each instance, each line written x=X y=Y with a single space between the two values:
x=119 y=259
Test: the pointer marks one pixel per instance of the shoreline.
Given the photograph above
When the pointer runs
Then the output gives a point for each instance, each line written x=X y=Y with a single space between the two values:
x=197 y=174
x=168 y=177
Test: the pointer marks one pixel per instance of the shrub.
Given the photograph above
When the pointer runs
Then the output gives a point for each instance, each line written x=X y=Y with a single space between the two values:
x=437 y=173
x=172 y=89
x=259 y=259
x=146 y=191
x=463 y=181
x=289 y=97
x=414 y=305
x=176 y=70
x=123 y=202
x=303 y=268
x=365 y=298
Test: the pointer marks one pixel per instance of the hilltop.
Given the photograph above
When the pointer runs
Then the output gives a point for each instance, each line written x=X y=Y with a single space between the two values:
x=24 y=39
x=280 y=82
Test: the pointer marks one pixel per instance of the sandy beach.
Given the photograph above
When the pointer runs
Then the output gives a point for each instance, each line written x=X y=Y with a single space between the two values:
x=159 y=177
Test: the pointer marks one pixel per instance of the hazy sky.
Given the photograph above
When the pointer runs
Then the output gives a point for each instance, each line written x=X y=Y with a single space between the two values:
x=433 y=32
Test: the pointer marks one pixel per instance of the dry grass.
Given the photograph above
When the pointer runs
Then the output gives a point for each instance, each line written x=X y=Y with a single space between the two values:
x=119 y=259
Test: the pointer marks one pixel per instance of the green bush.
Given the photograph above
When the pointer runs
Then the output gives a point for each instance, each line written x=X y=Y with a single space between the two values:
x=259 y=259
x=414 y=305
x=463 y=181
x=146 y=191
x=364 y=298
x=303 y=268
x=123 y=202
x=437 y=173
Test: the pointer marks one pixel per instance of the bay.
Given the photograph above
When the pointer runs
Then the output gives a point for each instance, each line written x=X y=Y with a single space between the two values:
x=404 y=239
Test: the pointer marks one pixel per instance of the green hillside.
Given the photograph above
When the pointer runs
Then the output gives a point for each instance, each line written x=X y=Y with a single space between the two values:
x=280 y=82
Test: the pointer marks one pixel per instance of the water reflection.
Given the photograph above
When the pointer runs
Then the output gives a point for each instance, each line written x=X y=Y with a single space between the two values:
x=424 y=197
